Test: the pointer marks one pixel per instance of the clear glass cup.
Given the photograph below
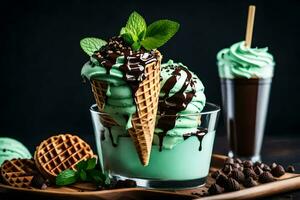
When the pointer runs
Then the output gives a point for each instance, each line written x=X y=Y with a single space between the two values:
x=185 y=165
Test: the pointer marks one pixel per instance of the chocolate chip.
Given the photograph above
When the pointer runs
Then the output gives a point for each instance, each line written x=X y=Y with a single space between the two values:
x=257 y=163
x=221 y=180
x=258 y=170
x=231 y=185
x=266 y=168
x=266 y=177
x=227 y=168
x=237 y=160
x=250 y=182
x=247 y=164
x=215 y=174
x=38 y=182
x=237 y=175
x=236 y=165
x=229 y=161
x=290 y=169
x=273 y=165
x=249 y=173
x=215 y=189
x=278 y=171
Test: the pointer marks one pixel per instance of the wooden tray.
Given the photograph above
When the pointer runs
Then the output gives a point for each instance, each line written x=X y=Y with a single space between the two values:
x=286 y=183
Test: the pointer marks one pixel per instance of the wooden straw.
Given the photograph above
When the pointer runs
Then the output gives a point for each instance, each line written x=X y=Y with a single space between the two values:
x=250 y=23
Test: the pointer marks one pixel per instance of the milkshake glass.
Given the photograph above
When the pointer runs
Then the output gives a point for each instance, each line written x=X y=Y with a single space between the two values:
x=246 y=77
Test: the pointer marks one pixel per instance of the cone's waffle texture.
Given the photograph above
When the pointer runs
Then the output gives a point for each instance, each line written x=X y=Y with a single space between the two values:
x=99 y=90
x=18 y=172
x=143 y=122
x=59 y=153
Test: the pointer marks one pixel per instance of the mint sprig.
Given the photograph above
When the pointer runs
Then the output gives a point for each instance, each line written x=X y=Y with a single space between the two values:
x=136 y=33
x=91 y=44
x=85 y=172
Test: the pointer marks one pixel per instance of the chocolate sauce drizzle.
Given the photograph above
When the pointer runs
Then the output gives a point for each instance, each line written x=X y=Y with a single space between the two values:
x=134 y=64
x=111 y=137
x=199 y=134
x=170 y=106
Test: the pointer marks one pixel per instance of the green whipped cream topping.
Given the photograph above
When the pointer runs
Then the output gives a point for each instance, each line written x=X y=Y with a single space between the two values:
x=120 y=103
x=239 y=61
x=188 y=119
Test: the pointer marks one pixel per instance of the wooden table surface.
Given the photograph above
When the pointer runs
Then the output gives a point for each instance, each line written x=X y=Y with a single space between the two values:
x=281 y=149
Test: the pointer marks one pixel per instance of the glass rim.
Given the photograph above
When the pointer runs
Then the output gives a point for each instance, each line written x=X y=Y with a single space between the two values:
x=214 y=108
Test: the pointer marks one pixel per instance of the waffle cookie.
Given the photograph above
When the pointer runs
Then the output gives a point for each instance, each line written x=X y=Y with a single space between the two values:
x=18 y=172
x=59 y=153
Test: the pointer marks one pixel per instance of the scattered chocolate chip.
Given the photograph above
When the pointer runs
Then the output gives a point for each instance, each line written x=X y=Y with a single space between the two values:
x=278 y=171
x=273 y=166
x=249 y=173
x=231 y=185
x=258 y=170
x=266 y=177
x=229 y=161
x=241 y=168
x=236 y=165
x=247 y=164
x=266 y=168
x=257 y=163
x=290 y=169
x=215 y=174
x=250 y=182
x=221 y=180
x=237 y=175
x=227 y=168
x=215 y=189
x=237 y=160
x=38 y=182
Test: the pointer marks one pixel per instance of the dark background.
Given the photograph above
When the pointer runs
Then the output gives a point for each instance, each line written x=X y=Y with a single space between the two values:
x=40 y=59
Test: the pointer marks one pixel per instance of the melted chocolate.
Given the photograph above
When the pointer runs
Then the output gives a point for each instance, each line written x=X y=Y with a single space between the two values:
x=111 y=137
x=199 y=134
x=170 y=106
x=134 y=68
x=135 y=62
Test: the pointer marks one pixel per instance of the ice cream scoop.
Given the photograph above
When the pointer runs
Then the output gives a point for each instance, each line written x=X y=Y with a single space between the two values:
x=240 y=61
x=11 y=148
x=181 y=100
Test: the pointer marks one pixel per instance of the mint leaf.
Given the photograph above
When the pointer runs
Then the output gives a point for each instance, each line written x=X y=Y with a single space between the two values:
x=136 y=46
x=66 y=177
x=158 y=33
x=82 y=165
x=95 y=175
x=136 y=24
x=91 y=163
x=82 y=175
x=90 y=45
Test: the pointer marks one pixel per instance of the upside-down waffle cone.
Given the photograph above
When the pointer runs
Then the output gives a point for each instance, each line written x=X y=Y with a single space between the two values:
x=59 y=153
x=143 y=122
x=99 y=90
x=18 y=172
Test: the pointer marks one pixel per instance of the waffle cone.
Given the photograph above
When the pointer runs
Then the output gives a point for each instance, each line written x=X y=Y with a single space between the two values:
x=59 y=153
x=18 y=172
x=99 y=90
x=143 y=122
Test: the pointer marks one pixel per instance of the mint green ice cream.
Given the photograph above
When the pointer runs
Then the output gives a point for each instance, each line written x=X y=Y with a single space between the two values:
x=119 y=102
x=182 y=95
x=239 y=61
x=11 y=148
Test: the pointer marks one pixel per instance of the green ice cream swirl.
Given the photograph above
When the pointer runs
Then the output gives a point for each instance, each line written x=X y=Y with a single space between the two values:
x=239 y=61
x=174 y=77
x=119 y=103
